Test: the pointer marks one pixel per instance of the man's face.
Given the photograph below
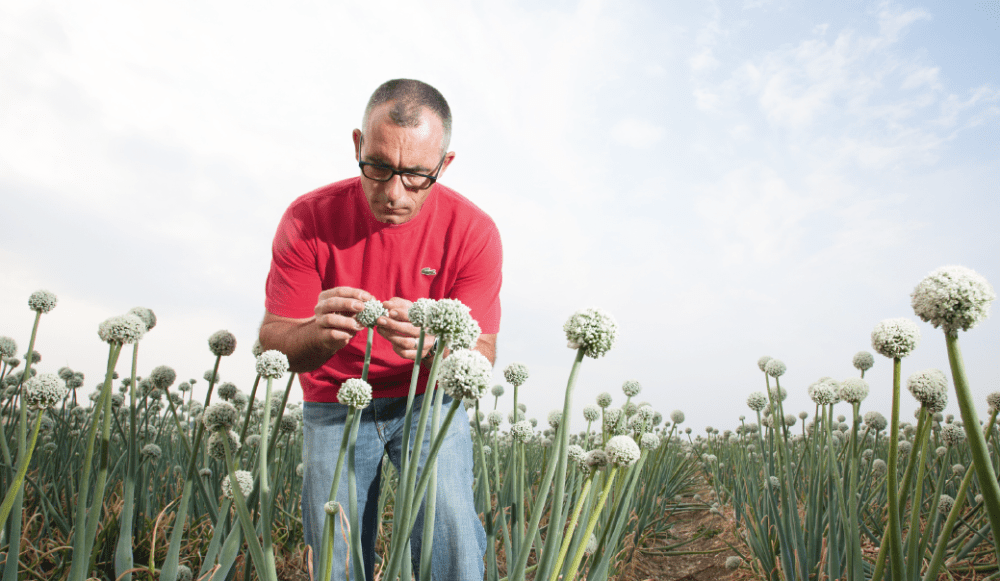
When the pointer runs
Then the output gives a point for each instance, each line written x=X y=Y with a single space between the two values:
x=412 y=149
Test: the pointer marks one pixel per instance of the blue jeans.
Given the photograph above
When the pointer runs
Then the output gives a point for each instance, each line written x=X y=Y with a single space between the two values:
x=459 y=538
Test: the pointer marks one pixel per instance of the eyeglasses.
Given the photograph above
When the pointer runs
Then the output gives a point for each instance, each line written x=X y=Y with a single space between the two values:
x=384 y=173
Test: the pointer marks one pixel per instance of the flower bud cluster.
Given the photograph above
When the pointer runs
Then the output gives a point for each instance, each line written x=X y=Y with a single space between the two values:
x=631 y=388
x=895 y=338
x=220 y=415
x=216 y=443
x=952 y=434
x=272 y=364
x=863 y=360
x=44 y=391
x=591 y=330
x=355 y=392
x=854 y=390
x=622 y=450
x=245 y=481
x=466 y=374
x=122 y=329
x=371 y=313
x=953 y=298
x=930 y=388
x=42 y=301
x=222 y=343
x=450 y=321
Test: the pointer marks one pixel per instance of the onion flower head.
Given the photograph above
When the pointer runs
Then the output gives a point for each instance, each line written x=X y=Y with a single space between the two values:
x=895 y=338
x=466 y=374
x=863 y=360
x=272 y=364
x=592 y=330
x=371 y=313
x=854 y=389
x=515 y=374
x=622 y=451
x=121 y=329
x=42 y=301
x=953 y=298
x=420 y=311
x=147 y=316
x=930 y=388
x=222 y=343
x=355 y=392
x=44 y=390
x=245 y=480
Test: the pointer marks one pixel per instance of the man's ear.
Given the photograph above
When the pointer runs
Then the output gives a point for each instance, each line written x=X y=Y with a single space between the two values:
x=356 y=136
x=448 y=158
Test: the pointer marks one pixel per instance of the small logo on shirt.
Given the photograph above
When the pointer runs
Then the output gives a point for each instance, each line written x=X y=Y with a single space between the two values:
x=428 y=271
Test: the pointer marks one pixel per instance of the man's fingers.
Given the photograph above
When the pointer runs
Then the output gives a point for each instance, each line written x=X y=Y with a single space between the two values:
x=347 y=293
x=339 y=305
x=390 y=325
x=336 y=321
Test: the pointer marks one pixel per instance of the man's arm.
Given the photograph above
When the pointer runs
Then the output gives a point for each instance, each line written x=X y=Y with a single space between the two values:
x=487 y=345
x=309 y=343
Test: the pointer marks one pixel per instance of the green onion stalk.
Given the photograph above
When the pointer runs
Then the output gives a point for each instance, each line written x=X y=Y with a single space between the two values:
x=919 y=456
x=430 y=503
x=622 y=451
x=269 y=573
x=397 y=549
x=516 y=573
x=922 y=433
x=242 y=514
x=405 y=500
x=953 y=515
x=581 y=500
x=591 y=332
x=81 y=552
x=988 y=485
x=40 y=302
x=222 y=344
x=855 y=571
x=407 y=423
x=325 y=560
x=893 y=533
x=356 y=394
x=956 y=298
x=123 y=549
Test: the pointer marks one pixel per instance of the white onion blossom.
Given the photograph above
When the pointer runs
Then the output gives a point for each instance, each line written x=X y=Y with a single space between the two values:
x=466 y=374
x=953 y=298
x=591 y=330
x=895 y=338
x=272 y=364
x=355 y=392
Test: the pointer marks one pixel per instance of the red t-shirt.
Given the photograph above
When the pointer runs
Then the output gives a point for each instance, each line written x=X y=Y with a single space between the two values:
x=329 y=238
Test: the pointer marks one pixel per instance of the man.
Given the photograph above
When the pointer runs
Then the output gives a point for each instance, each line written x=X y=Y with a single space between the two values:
x=394 y=234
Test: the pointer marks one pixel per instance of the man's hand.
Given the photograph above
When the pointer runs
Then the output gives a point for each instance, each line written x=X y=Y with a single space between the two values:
x=398 y=330
x=335 y=310
x=309 y=343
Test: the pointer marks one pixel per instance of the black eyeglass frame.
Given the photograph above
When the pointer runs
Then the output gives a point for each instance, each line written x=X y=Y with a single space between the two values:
x=395 y=172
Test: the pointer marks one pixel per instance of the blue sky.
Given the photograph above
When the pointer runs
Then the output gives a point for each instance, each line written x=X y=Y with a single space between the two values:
x=728 y=179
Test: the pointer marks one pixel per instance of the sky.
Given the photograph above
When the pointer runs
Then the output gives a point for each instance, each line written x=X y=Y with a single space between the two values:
x=728 y=179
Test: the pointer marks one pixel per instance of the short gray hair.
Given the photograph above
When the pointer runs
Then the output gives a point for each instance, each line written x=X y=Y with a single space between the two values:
x=409 y=97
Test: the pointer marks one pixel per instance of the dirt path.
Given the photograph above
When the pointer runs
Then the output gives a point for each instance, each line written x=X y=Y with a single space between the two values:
x=712 y=530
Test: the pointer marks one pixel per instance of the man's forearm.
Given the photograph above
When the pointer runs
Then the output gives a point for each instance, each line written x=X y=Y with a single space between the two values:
x=298 y=341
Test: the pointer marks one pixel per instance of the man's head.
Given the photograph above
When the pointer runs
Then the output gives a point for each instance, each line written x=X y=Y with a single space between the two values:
x=406 y=128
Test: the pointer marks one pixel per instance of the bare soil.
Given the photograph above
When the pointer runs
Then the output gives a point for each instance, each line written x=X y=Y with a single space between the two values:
x=704 y=559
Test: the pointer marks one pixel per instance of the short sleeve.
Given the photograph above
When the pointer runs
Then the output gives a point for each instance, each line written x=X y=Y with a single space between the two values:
x=478 y=283
x=293 y=283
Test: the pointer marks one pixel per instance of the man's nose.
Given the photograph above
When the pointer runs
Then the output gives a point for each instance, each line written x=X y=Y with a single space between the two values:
x=394 y=189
